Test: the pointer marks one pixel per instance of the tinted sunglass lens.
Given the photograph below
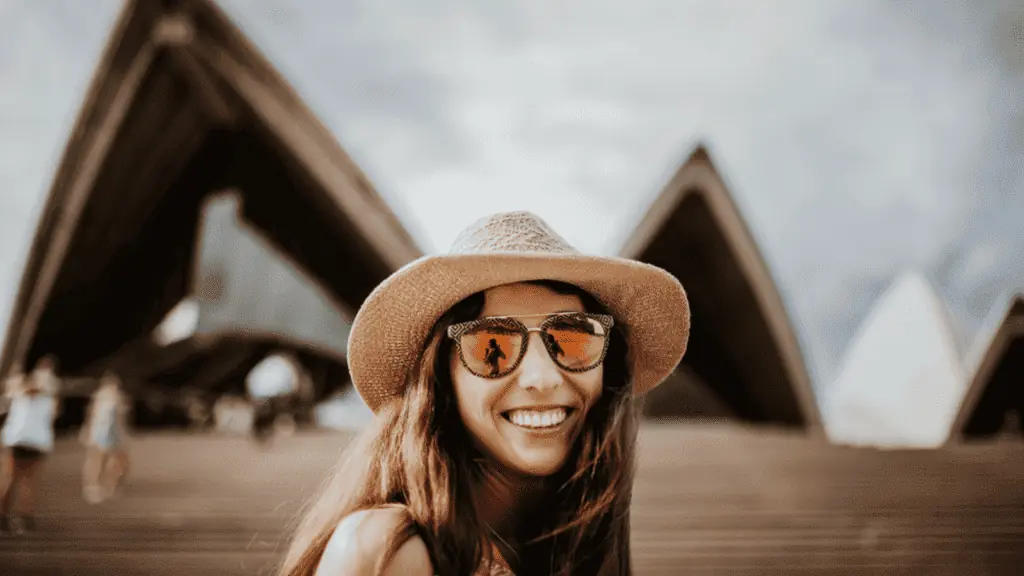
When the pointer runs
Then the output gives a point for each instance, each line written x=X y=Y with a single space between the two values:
x=576 y=342
x=490 y=351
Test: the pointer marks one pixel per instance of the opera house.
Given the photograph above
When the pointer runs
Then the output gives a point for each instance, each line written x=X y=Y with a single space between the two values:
x=195 y=176
x=195 y=172
x=903 y=384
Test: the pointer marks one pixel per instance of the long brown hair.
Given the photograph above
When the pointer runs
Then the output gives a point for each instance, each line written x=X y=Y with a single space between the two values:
x=417 y=454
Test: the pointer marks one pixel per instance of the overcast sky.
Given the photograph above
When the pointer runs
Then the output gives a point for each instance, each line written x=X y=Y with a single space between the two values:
x=858 y=137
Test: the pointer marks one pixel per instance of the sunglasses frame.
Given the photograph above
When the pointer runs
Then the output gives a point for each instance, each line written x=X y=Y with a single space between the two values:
x=457 y=331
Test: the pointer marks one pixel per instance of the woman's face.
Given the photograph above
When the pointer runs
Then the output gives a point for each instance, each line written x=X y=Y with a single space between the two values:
x=490 y=408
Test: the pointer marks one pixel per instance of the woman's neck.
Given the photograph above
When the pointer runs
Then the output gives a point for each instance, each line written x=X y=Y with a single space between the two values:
x=505 y=497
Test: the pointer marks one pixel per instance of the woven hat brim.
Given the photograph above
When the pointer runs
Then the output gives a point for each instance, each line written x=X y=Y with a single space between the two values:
x=395 y=320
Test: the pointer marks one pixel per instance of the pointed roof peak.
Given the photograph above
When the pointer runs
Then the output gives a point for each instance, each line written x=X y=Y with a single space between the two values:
x=903 y=351
x=990 y=350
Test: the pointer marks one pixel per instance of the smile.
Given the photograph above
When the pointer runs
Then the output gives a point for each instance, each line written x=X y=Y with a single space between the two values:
x=538 y=419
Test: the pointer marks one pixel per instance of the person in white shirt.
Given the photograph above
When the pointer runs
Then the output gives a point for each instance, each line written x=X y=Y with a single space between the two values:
x=103 y=433
x=27 y=438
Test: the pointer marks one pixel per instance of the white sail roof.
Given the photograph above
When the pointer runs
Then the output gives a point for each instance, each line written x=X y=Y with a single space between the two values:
x=180 y=323
x=901 y=380
x=1005 y=323
x=991 y=327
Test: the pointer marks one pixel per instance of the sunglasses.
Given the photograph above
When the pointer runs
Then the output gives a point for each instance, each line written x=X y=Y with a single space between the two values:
x=492 y=347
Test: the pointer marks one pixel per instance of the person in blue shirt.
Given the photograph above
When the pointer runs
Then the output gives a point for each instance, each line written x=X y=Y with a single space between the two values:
x=103 y=434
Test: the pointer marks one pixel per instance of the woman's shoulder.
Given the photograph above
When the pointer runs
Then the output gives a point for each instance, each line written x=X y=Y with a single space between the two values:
x=361 y=541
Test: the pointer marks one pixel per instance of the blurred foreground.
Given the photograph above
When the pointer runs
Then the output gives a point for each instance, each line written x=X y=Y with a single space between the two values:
x=708 y=500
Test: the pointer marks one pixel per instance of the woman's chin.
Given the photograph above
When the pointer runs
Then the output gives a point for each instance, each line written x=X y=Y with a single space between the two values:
x=537 y=462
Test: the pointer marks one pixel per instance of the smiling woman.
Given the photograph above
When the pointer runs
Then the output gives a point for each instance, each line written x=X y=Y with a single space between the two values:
x=503 y=377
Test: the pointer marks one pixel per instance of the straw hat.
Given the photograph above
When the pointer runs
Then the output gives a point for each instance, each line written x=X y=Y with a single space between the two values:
x=393 y=323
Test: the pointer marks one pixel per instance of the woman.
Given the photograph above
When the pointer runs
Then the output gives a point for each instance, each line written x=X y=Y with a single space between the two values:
x=486 y=463
x=27 y=438
x=103 y=434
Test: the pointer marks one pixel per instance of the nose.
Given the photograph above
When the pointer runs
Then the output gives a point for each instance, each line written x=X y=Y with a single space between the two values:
x=537 y=370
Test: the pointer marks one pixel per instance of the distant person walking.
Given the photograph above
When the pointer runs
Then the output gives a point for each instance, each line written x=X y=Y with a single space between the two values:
x=27 y=438
x=104 y=433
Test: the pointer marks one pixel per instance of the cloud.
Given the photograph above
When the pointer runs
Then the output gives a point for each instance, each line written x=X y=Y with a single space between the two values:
x=47 y=50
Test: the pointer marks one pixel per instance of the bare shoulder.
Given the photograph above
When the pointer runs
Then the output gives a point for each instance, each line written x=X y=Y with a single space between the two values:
x=360 y=541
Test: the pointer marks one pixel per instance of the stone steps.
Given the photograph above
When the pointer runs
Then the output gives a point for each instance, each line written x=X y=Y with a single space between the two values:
x=706 y=501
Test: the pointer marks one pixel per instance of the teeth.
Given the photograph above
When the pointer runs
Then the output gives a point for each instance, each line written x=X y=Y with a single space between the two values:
x=538 y=418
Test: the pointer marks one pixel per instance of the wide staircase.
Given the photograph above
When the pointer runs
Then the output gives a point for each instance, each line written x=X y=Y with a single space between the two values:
x=708 y=500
